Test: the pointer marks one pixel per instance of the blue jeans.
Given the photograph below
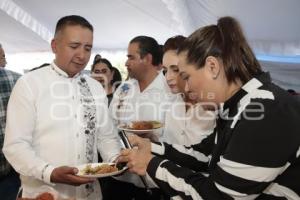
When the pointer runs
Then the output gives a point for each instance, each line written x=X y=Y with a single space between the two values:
x=9 y=186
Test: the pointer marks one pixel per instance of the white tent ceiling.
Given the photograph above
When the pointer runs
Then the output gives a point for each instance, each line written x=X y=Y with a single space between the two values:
x=271 y=26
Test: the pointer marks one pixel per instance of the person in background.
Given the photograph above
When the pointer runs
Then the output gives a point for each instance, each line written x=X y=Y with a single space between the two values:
x=253 y=152
x=9 y=179
x=58 y=119
x=143 y=97
x=109 y=76
x=2 y=57
x=186 y=122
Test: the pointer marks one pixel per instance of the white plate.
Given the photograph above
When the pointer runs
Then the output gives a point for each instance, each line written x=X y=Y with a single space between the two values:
x=138 y=131
x=81 y=171
x=124 y=127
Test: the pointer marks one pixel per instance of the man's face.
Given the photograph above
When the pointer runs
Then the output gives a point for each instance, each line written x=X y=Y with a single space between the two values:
x=135 y=64
x=2 y=58
x=72 y=48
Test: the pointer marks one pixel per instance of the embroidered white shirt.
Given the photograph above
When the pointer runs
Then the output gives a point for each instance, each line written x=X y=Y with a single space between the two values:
x=45 y=129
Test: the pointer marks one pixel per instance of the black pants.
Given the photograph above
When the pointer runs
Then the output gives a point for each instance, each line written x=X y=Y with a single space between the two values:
x=9 y=186
x=115 y=190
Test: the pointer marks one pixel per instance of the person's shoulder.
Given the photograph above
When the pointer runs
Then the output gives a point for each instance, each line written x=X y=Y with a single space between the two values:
x=281 y=96
x=8 y=72
x=38 y=71
x=36 y=75
x=282 y=106
x=8 y=75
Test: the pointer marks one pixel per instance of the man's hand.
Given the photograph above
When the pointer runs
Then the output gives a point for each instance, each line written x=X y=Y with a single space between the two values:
x=67 y=175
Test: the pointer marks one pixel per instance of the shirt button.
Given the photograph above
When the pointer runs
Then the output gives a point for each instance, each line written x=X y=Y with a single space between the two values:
x=75 y=116
x=78 y=157
x=77 y=134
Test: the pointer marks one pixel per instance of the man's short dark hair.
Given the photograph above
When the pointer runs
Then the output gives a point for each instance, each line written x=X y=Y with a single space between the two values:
x=72 y=20
x=149 y=45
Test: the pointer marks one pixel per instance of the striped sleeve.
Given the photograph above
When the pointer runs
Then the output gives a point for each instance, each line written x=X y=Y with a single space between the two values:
x=187 y=183
x=195 y=157
x=252 y=164
x=229 y=180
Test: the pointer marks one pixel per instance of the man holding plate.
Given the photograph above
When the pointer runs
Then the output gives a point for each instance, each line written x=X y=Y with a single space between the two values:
x=58 y=119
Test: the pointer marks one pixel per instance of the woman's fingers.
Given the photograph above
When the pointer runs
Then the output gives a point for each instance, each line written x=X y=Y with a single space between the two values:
x=124 y=155
x=135 y=140
x=137 y=159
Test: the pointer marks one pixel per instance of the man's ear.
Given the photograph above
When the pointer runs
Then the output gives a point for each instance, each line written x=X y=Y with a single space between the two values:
x=148 y=58
x=212 y=65
x=53 y=45
x=112 y=74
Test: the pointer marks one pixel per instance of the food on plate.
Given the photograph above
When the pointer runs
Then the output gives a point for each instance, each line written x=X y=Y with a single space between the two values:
x=141 y=125
x=156 y=124
x=99 y=169
x=43 y=196
x=144 y=125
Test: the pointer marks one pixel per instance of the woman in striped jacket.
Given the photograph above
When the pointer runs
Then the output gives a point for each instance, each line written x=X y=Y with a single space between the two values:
x=253 y=152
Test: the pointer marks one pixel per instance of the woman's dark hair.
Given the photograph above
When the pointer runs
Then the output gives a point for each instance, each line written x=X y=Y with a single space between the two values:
x=96 y=58
x=117 y=78
x=173 y=43
x=227 y=42
x=102 y=60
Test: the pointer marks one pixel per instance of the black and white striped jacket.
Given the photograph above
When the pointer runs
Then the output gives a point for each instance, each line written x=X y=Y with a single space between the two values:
x=252 y=154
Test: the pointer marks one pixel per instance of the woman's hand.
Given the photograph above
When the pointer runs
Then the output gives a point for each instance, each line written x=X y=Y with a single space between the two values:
x=150 y=135
x=138 y=158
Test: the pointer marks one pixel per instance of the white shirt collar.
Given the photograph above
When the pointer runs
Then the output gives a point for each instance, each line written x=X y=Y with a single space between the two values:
x=159 y=83
x=62 y=73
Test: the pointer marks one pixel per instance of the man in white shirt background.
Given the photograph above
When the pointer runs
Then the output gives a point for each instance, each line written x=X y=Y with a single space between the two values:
x=145 y=96
x=58 y=118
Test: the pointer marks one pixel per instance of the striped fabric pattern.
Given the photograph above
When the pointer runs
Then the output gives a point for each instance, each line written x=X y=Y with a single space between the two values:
x=252 y=154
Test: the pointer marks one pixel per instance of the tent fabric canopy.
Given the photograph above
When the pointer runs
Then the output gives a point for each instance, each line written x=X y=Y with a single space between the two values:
x=272 y=27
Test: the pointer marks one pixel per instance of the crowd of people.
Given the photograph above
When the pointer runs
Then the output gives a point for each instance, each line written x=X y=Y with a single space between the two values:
x=228 y=131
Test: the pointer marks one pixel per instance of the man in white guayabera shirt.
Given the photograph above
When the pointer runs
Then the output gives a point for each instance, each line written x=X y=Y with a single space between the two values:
x=57 y=119
x=146 y=96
